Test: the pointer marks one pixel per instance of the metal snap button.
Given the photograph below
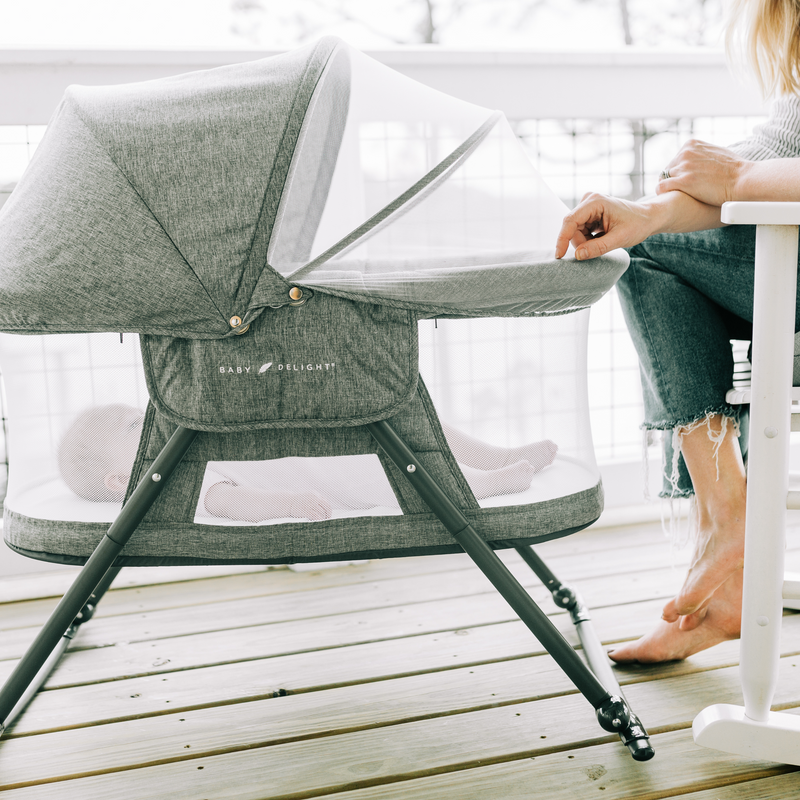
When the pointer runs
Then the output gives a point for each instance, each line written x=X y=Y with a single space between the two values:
x=296 y=293
x=235 y=321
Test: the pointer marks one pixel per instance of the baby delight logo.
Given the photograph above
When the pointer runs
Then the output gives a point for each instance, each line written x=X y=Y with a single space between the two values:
x=271 y=366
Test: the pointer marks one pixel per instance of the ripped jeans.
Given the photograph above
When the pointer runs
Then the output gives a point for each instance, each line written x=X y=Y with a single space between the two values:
x=684 y=297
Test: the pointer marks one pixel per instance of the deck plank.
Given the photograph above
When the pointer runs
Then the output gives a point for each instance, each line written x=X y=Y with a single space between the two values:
x=406 y=678
x=456 y=575
x=781 y=787
x=522 y=676
x=215 y=615
x=410 y=707
x=265 y=773
x=679 y=768
x=21 y=588
x=344 y=630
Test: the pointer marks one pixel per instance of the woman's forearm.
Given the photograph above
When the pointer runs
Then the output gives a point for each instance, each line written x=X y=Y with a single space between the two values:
x=676 y=212
x=776 y=179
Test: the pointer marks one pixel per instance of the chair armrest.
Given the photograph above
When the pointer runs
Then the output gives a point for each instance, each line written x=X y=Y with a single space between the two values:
x=761 y=213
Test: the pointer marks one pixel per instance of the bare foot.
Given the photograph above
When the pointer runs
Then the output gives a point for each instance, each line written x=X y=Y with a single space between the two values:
x=714 y=460
x=718 y=554
x=719 y=621
x=308 y=505
x=484 y=456
x=494 y=482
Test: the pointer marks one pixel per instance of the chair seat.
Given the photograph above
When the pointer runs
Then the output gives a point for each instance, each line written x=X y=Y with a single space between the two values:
x=741 y=395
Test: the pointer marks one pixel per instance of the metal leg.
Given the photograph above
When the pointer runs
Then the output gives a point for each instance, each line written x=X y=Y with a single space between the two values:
x=634 y=737
x=83 y=616
x=612 y=711
x=93 y=580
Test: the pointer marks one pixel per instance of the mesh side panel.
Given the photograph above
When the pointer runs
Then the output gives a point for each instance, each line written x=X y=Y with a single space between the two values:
x=75 y=408
x=294 y=490
x=311 y=170
x=512 y=398
x=369 y=134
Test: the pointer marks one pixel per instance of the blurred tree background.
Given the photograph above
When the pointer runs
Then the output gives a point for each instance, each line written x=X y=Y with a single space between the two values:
x=489 y=23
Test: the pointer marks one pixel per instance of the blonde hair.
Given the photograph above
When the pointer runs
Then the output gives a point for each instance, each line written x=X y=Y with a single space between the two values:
x=765 y=34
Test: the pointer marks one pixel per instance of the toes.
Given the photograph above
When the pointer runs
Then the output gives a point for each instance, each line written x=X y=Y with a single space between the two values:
x=622 y=655
x=691 y=621
x=670 y=612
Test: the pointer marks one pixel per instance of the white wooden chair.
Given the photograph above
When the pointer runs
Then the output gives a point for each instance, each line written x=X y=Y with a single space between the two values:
x=753 y=730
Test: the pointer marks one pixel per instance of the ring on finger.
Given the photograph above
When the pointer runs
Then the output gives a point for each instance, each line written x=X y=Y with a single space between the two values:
x=664 y=174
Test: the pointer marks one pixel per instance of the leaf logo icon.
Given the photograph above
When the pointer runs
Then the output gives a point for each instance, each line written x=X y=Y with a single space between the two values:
x=265 y=367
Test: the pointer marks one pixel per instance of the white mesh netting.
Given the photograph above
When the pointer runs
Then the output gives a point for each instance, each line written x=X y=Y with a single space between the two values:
x=396 y=189
x=512 y=398
x=75 y=406
x=511 y=395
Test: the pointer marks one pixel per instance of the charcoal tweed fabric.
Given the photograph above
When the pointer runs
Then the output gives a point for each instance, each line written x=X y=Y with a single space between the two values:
x=520 y=289
x=325 y=363
x=148 y=207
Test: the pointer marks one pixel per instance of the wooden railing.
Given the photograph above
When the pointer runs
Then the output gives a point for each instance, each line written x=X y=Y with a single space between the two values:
x=623 y=84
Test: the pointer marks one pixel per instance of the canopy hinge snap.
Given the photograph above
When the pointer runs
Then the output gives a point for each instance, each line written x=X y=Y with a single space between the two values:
x=298 y=296
x=235 y=323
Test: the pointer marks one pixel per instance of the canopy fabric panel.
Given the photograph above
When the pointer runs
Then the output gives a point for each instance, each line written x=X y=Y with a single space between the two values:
x=89 y=268
x=148 y=207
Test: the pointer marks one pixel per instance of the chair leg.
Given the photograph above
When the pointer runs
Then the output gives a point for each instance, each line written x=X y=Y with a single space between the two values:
x=754 y=730
x=93 y=580
x=634 y=737
x=612 y=711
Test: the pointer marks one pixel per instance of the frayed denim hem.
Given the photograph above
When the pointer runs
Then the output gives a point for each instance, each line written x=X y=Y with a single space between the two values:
x=725 y=410
x=675 y=493
x=730 y=416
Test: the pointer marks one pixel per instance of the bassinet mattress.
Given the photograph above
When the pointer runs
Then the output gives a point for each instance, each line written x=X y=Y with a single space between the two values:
x=536 y=515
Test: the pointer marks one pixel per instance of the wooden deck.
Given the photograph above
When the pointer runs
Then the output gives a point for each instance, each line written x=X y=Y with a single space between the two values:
x=396 y=679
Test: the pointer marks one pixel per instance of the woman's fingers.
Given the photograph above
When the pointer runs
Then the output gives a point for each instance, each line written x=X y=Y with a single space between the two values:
x=600 y=224
x=581 y=224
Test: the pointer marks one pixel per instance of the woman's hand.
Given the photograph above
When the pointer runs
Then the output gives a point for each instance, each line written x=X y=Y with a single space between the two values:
x=599 y=224
x=704 y=171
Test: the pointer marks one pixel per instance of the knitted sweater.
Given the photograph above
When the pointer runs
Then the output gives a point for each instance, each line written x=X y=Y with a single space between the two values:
x=778 y=137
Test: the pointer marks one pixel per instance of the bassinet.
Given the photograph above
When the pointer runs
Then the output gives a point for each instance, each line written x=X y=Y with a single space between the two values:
x=300 y=249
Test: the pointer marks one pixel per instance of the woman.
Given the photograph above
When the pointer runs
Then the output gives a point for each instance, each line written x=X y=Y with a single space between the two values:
x=686 y=294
